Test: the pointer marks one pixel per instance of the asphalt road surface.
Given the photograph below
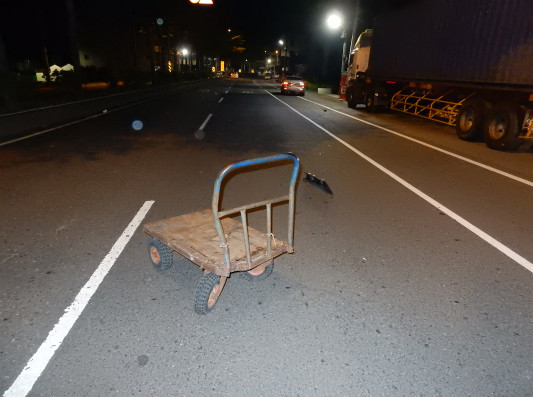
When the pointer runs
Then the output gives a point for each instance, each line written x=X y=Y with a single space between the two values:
x=414 y=277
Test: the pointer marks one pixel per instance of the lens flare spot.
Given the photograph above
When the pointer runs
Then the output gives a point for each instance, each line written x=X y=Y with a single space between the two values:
x=137 y=125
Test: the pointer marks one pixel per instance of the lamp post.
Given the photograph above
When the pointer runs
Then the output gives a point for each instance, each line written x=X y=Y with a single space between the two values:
x=283 y=59
x=334 y=22
x=185 y=53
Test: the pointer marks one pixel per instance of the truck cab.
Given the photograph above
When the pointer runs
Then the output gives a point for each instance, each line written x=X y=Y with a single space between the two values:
x=360 y=54
x=359 y=87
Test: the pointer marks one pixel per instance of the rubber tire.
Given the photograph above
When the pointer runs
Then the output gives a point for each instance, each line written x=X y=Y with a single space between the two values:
x=201 y=296
x=350 y=99
x=470 y=118
x=369 y=102
x=260 y=277
x=162 y=257
x=502 y=127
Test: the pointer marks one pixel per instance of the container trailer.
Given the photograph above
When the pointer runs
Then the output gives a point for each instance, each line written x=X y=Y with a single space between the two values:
x=465 y=63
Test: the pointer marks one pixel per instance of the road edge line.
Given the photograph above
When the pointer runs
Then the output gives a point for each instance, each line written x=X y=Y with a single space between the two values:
x=451 y=154
x=38 y=362
x=456 y=217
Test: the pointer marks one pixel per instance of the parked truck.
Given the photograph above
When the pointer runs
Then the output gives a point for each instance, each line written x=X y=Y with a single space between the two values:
x=465 y=63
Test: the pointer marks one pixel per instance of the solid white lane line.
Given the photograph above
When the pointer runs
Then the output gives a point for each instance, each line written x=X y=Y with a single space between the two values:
x=87 y=118
x=53 y=129
x=205 y=122
x=36 y=365
x=474 y=229
x=69 y=103
x=457 y=156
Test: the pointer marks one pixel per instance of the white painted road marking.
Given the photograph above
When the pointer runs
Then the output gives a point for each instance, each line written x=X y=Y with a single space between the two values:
x=474 y=229
x=205 y=122
x=221 y=99
x=104 y=112
x=70 y=103
x=36 y=365
x=457 y=156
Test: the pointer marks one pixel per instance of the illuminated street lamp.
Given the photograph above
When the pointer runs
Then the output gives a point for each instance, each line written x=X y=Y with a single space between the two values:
x=334 y=21
x=283 y=59
x=182 y=56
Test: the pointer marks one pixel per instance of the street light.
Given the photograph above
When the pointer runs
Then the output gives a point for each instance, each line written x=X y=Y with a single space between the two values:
x=283 y=59
x=334 y=21
x=182 y=53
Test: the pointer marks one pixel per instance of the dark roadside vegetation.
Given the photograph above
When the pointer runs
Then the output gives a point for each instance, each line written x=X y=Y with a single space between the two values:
x=21 y=91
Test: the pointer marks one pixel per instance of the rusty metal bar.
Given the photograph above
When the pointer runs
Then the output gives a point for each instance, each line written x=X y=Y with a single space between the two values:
x=259 y=204
x=269 y=230
x=244 y=222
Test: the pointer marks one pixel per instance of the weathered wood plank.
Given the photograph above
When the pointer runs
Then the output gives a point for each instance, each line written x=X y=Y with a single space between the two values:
x=194 y=236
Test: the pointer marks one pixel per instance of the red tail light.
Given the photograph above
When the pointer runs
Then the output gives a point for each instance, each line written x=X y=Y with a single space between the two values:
x=301 y=84
x=285 y=83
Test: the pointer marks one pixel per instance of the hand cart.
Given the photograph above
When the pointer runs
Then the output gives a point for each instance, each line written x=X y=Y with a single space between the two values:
x=218 y=243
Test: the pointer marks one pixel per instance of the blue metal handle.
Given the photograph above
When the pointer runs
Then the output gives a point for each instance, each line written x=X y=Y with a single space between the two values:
x=291 y=198
x=260 y=160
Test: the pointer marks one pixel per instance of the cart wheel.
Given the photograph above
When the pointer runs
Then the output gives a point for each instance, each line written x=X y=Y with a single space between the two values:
x=261 y=276
x=160 y=255
x=207 y=293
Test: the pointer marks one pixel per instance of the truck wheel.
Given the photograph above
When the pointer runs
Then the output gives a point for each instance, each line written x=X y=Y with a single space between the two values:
x=258 y=277
x=370 y=102
x=503 y=127
x=469 y=122
x=160 y=255
x=350 y=99
x=207 y=293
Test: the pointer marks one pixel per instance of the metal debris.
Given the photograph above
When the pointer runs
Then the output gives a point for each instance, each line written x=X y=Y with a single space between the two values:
x=320 y=183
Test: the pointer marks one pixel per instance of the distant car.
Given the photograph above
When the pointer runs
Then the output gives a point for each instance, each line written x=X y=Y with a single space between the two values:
x=234 y=75
x=219 y=75
x=268 y=76
x=293 y=85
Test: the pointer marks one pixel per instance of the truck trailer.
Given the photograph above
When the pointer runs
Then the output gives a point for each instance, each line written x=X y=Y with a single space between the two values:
x=465 y=63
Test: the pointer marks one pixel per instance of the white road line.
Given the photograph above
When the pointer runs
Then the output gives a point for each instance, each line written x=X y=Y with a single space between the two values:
x=466 y=159
x=36 y=365
x=205 y=122
x=474 y=229
x=85 y=118
x=221 y=99
x=52 y=129
x=69 y=103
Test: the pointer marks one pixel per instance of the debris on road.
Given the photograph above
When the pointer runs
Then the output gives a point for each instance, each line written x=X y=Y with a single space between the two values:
x=320 y=183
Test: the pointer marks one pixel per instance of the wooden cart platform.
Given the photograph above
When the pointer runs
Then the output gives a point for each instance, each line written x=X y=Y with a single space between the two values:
x=194 y=236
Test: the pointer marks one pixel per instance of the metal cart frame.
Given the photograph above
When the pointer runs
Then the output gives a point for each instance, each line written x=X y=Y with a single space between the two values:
x=231 y=245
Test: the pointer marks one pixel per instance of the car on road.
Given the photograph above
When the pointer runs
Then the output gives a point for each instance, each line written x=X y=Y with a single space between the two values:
x=234 y=75
x=293 y=85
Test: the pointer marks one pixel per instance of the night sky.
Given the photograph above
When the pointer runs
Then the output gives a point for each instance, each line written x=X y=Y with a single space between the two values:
x=27 y=27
